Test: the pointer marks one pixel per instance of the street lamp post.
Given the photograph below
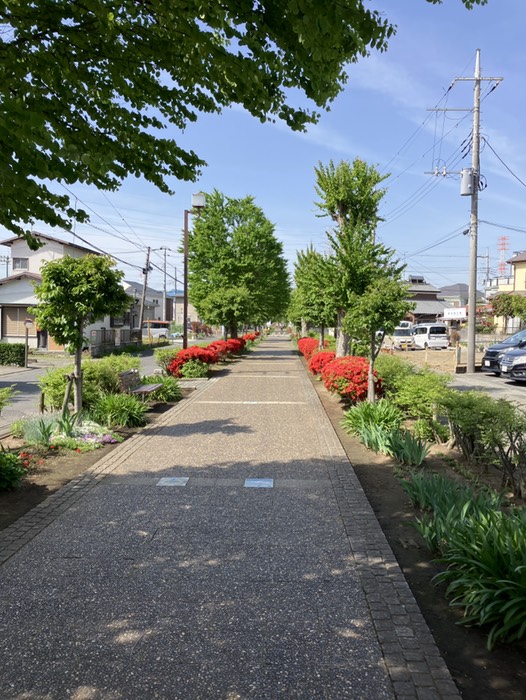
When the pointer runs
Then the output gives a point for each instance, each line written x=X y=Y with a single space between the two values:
x=198 y=202
x=28 y=323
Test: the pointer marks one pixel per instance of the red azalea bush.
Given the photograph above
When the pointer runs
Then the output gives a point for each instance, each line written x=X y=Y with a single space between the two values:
x=250 y=337
x=318 y=361
x=307 y=347
x=347 y=376
x=220 y=347
x=236 y=345
x=206 y=355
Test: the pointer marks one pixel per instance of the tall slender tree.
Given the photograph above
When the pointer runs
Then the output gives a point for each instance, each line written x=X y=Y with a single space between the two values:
x=350 y=195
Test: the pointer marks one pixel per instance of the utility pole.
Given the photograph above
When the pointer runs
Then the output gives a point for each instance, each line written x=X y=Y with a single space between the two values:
x=470 y=181
x=164 y=283
x=474 y=221
x=143 y=295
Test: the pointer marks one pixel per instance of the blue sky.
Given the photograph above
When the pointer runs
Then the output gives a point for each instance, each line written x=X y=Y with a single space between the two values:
x=382 y=117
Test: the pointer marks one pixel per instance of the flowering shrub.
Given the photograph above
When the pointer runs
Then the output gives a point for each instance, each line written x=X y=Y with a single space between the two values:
x=236 y=345
x=307 y=347
x=207 y=355
x=347 y=376
x=318 y=361
x=250 y=337
x=221 y=348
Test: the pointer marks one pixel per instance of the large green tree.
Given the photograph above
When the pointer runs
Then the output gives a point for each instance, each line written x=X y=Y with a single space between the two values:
x=73 y=293
x=237 y=272
x=350 y=195
x=86 y=87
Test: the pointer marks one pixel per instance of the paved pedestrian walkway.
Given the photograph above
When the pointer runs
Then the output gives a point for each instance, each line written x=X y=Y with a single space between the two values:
x=227 y=553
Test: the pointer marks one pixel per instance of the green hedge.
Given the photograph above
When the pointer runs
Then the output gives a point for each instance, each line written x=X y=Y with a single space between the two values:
x=12 y=354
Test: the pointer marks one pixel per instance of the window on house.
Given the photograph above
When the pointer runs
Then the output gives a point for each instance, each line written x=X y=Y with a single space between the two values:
x=20 y=263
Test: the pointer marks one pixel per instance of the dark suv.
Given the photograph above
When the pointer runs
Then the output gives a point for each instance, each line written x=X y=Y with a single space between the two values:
x=490 y=361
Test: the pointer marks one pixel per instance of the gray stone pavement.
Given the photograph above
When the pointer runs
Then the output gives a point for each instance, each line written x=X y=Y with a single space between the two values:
x=118 y=587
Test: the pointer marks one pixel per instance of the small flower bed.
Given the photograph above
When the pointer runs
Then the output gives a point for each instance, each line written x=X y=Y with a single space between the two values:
x=347 y=376
x=307 y=347
x=318 y=361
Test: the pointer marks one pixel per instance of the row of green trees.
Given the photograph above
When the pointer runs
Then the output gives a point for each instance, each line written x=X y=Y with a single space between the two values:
x=357 y=286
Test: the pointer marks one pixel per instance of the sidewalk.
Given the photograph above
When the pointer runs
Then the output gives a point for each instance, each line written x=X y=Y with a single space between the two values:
x=201 y=587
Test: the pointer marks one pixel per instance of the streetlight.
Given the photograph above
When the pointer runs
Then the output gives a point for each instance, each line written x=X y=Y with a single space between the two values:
x=28 y=323
x=198 y=202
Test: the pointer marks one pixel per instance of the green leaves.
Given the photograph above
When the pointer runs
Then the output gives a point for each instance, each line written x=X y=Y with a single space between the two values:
x=237 y=270
x=75 y=289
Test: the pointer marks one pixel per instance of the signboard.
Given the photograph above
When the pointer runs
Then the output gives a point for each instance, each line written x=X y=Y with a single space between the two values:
x=455 y=313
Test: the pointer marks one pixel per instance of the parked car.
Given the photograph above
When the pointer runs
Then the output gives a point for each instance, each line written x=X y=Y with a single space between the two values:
x=493 y=354
x=400 y=339
x=431 y=335
x=512 y=364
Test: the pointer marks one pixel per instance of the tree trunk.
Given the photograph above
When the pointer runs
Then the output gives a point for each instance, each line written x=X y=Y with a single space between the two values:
x=322 y=336
x=304 y=327
x=370 y=376
x=78 y=383
x=342 y=339
x=233 y=330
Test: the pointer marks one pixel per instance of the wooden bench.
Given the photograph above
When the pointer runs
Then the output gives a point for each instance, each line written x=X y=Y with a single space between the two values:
x=130 y=382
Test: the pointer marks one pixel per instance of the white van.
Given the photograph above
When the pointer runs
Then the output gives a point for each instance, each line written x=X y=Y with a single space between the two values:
x=431 y=335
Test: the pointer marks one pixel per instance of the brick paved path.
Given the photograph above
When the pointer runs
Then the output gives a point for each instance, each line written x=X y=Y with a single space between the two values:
x=162 y=573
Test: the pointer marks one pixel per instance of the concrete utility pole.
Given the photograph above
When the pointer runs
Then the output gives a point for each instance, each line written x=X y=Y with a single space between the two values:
x=470 y=181
x=474 y=221
x=164 y=283
x=143 y=295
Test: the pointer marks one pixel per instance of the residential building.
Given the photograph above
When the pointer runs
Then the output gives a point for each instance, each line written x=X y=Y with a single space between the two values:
x=428 y=307
x=17 y=293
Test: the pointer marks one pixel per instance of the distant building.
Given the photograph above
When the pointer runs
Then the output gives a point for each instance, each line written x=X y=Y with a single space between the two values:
x=428 y=306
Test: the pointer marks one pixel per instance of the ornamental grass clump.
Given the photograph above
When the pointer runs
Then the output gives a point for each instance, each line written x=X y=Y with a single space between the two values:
x=382 y=414
x=348 y=377
x=483 y=548
x=120 y=411
x=318 y=361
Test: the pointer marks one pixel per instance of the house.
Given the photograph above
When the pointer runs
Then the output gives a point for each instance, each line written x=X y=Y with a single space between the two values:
x=455 y=295
x=428 y=306
x=514 y=284
x=17 y=291
x=175 y=299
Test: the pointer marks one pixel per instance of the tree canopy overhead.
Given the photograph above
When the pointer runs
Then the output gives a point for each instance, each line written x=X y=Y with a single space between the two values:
x=87 y=87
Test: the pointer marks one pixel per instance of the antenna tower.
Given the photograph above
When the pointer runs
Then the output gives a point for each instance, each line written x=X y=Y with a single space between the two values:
x=503 y=247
